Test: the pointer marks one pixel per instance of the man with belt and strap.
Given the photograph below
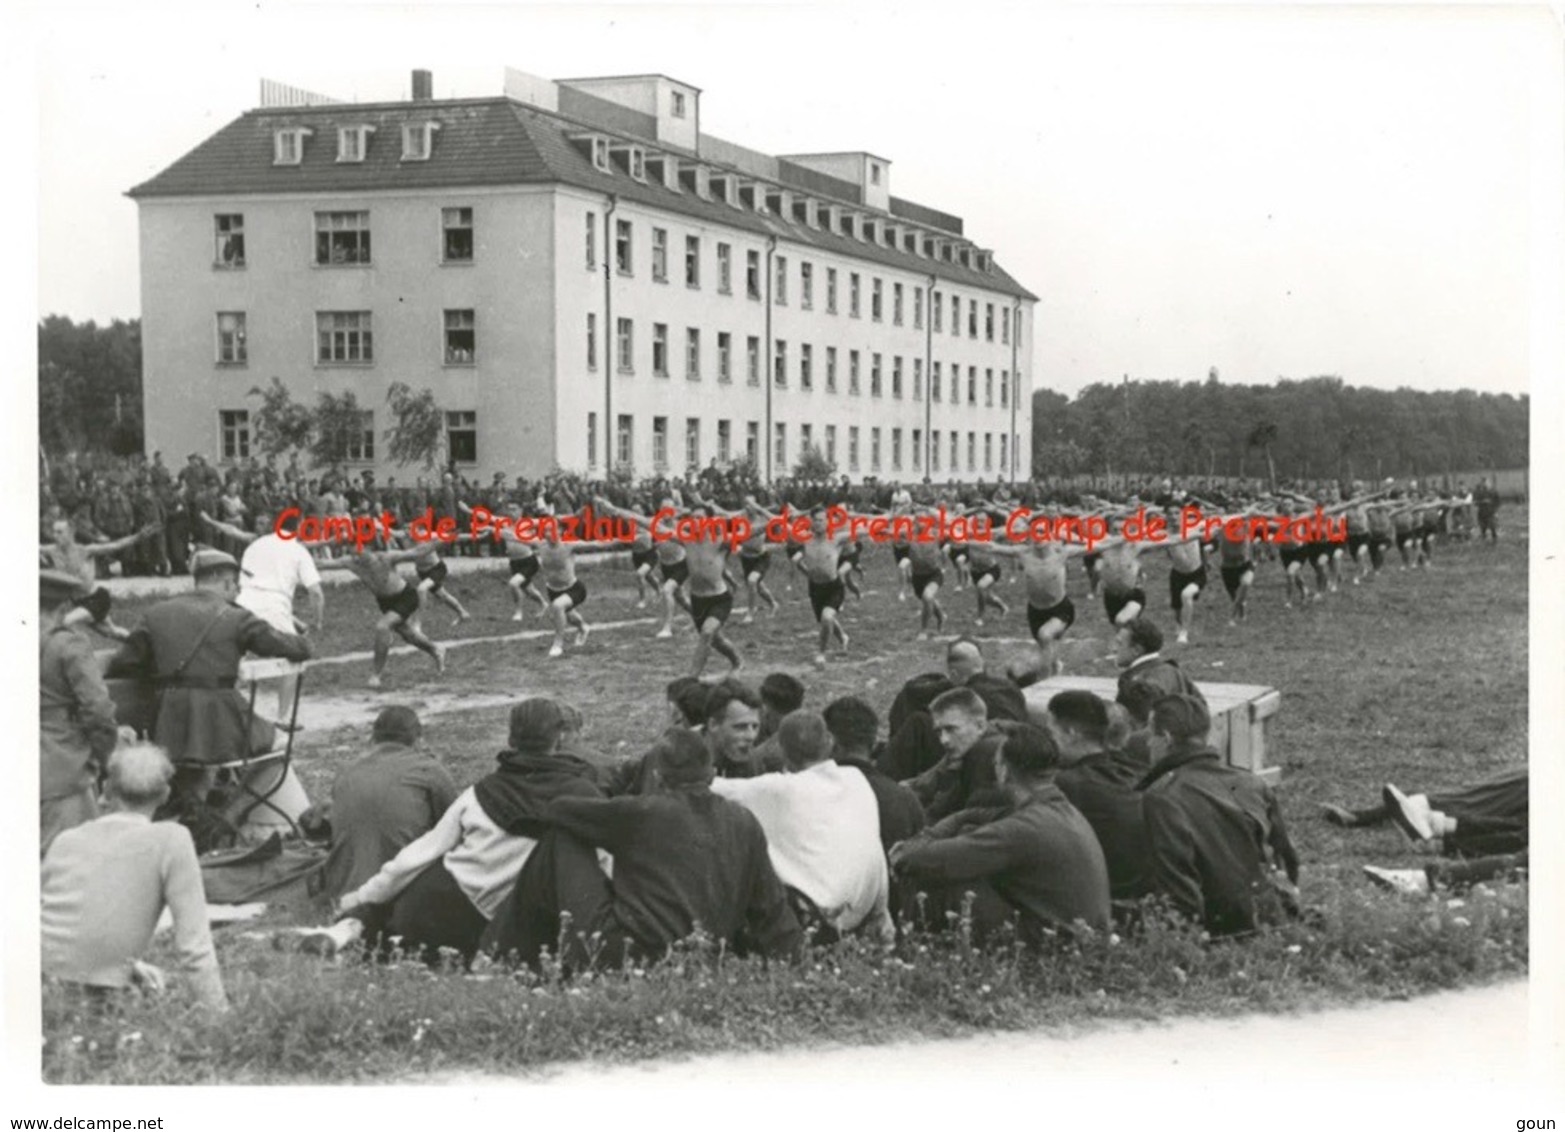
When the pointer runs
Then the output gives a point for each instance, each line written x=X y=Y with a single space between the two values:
x=75 y=714
x=192 y=645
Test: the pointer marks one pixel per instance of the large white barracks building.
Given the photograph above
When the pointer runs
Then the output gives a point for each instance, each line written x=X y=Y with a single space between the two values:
x=584 y=279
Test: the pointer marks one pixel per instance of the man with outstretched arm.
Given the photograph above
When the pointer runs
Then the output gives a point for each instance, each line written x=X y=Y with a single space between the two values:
x=398 y=603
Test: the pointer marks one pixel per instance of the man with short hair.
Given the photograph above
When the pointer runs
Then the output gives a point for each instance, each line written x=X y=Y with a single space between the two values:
x=105 y=884
x=968 y=742
x=733 y=719
x=822 y=832
x=76 y=719
x=1138 y=652
x=397 y=601
x=1102 y=785
x=384 y=801
x=1215 y=833
x=1034 y=861
x=854 y=726
x=781 y=695
x=81 y=559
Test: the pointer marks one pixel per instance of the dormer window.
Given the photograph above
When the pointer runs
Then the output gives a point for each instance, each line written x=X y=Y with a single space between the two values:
x=288 y=145
x=874 y=173
x=418 y=140
x=678 y=104
x=638 y=163
x=352 y=141
x=600 y=154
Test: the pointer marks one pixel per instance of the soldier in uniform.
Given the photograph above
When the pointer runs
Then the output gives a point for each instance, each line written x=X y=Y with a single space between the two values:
x=75 y=713
x=191 y=645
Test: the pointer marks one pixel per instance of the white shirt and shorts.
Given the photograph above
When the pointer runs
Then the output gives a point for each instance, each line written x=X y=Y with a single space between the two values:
x=271 y=569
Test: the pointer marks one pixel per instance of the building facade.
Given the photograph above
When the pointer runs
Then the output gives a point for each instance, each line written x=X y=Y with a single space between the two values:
x=584 y=280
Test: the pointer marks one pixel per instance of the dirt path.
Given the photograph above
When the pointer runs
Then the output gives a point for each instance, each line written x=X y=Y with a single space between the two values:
x=1469 y=1035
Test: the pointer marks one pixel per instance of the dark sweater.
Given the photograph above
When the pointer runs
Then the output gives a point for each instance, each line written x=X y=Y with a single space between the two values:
x=1041 y=858
x=683 y=859
x=1103 y=788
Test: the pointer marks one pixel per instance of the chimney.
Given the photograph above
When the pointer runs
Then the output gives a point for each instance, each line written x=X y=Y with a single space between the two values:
x=423 y=86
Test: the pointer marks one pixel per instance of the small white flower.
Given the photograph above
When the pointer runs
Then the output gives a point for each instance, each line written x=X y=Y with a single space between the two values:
x=1462 y=922
x=1294 y=949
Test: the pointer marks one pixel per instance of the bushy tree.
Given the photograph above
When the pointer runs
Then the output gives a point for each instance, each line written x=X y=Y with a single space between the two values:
x=336 y=425
x=282 y=425
x=812 y=466
x=418 y=431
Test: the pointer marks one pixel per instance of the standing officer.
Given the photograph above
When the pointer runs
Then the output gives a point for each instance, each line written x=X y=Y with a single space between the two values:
x=75 y=713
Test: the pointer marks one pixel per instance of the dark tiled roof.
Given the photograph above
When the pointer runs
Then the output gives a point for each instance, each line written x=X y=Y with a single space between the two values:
x=480 y=142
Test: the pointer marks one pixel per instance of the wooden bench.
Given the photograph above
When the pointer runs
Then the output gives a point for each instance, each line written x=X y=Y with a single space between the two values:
x=1240 y=713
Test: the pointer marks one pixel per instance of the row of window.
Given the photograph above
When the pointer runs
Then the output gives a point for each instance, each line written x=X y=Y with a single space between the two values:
x=783 y=277
x=353 y=143
x=348 y=338
x=625 y=445
x=342 y=239
x=234 y=435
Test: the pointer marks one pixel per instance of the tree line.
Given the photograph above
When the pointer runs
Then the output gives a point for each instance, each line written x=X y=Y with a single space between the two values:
x=1318 y=428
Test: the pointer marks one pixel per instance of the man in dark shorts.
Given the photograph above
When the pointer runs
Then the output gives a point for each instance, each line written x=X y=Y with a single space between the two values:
x=432 y=572
x=711 y=601
x=1050 y=611
x=1236 y=558
x=820 y=562
x=926 y=577
x=398 y=603
x=670 y=553
x=1487 y=500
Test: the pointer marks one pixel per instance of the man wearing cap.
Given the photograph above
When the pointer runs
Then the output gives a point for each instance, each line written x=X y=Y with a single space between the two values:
x=75 y=713
x=1215 y=834
x=191 y=645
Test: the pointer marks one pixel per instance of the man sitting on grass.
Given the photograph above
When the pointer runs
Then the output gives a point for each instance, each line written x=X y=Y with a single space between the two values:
x=684 y=859
x=384 y=801
x=822 y=832
x=965 y=774
x=106 y=883
x=781 y=695
x=1209 y=828
x=914 y=747
x=853 y=726
x=1033 y=860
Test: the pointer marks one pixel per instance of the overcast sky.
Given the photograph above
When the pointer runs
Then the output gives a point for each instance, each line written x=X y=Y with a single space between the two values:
x=1274 y=192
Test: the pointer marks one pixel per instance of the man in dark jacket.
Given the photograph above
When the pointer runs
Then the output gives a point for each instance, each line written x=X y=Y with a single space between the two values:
x=1102 y=785
x=684 y=859
x=1215 y=833
x=1138 y=650
x=853 y=726
x=914 y=747
x=1034 y=860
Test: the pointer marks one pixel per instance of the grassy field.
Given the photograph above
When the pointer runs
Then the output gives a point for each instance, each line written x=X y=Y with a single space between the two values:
x=1418 y=678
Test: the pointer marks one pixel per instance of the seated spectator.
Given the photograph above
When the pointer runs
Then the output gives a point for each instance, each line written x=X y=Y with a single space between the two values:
x=1138 y=648
x=781 y=695
x=1034 y=861
x=687 y=698
x=732 y=722
x=853 y=728
x=442 y=889
x=914 y=747
x=968 y=741
x=822 y=831
x=1487 y=817
x=105 y=883
x=1102 y=785
x=383 y=801
x=683 y=858
x=1209 y=829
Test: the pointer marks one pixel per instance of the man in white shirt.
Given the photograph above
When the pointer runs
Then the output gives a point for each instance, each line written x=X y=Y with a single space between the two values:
x=822 y=830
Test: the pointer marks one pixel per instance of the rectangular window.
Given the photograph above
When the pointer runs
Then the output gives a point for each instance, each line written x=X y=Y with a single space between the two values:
x=725 y=360
x=896 y=304
x=989 y=322
x=831 y=290
x=624 y=440
x=853 y=448
x=677 y=104
x=780 y=284
x=456 y=236
x=874 y=449
x=934 y=450
x=660 y=349
x=342 y=238
x=592 y=440
x=806 y=366
x=918 y=379
x=462 y=436
x=660 y=443
x=935 y=309
x=989 y=388
x=725 y=269
x=875 y=288
x=956 y=319
x=806 y=438
x=418 y=140
x=780 y=446
x=831 y=445
x=752 y=354
x=988 y=451
x=934 y=381
x=234 y=433
x=874 y=375
x=229 y=231
x=693 y=261
x=972 y=318
x=660 y=255
x=896 y=450
x=853 y=373
x=853 y=294
x=752 y=274
x=1018 y=326
x=725 y=441
x=288 y=146
x=956 y=451
x=231 y=349
x=352 y=142
x=625 y=344
x=972 y=387
x=1004 y=467
x=752 y=441
x=1005 y=389
x=360 y=440
x=918 y=450
x=972 y=452
x=592 y=241
x=692 y=444
x=918 y=308
x=624 y=261
x=831 y=369
x=896 y=377
x=638 y=163
x=692 y=354
x=1005 y=339
x=780 y=363
x=344 y=338
x=807 y=286
x=592 y=341
x=461 y=338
